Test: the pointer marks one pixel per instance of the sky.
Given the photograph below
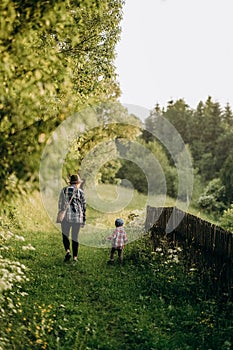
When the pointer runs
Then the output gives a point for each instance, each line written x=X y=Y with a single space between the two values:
x=172 y=49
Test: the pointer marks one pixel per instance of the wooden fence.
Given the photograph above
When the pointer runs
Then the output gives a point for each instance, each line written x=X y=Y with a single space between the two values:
x=207 y=244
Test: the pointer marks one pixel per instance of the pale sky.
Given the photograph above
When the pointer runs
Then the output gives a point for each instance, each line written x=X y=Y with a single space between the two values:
x=171 y=49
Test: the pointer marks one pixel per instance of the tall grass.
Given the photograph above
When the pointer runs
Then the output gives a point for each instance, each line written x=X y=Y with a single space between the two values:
x=149 y=302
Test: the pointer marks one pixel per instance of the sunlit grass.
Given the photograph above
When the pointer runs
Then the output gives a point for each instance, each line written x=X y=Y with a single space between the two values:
x=150 y=302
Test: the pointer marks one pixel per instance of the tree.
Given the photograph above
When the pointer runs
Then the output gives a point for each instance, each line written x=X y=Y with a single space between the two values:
x=226 y=221
x=150 y=124
x=56 y=57
x=179 y=114
x=97 y=146
x=227 y=116
x=147 y=167
x=213 y=199
x=206 y=131
x=226 y=176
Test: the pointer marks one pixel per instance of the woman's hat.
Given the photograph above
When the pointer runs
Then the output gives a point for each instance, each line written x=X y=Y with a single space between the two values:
x=75 y=179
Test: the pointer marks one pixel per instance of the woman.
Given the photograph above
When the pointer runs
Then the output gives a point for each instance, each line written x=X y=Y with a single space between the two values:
x=75 y=217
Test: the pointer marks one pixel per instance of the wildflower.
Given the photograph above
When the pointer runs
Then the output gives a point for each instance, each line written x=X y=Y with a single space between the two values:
x=158 y=250
x=19 y=238
x=4 y=248
x=28 y=247
x=227 y=344
x=18 y=278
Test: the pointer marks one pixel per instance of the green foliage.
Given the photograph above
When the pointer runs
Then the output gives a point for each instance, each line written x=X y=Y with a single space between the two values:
x=179 y=114
x=56 y=57
x=203 y=141
x=226 y=220
x=213 y=198
x=108 y=172
x=96 y=150
x=145 y=157
x=150 y=124
x=226 y=176
x=13 y=274
x=207 y=130
x=134 y=174
x=151 y=302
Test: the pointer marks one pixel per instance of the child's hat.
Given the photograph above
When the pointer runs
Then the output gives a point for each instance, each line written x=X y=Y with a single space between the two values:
x=119 y=222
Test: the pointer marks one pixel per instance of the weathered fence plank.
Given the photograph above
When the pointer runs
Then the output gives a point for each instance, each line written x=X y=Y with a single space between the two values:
x=206 y=244
x=193 y=229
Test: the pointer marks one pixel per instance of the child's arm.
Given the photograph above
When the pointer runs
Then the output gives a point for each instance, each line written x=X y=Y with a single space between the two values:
x=113 y=236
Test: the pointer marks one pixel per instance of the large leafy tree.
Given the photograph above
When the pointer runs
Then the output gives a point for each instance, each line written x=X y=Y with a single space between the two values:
x=56 y=57
x=97 y=147
x=147 y=163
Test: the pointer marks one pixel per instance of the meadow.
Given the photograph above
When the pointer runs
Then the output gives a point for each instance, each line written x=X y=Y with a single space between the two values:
x=151 y=302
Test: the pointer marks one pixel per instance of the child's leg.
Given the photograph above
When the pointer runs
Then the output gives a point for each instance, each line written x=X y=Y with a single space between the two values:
x=112 y=254
x=120 y=254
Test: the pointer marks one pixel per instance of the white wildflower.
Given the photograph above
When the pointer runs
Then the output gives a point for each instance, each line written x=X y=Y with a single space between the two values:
x=18 y=278
x=28 y=247
x=4 y=248
x=6 y=235
x=4 y=285
x=158 y=250
x=19 y=238
x=176 y=259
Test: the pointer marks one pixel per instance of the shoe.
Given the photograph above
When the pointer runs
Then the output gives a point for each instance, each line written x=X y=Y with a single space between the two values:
x=67 y=257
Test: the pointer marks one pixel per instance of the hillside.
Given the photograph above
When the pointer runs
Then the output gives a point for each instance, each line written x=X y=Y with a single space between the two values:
x=150 y=302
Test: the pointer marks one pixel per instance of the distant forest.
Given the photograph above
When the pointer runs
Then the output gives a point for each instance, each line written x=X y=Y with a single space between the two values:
x=208 y=132
x=58 y=59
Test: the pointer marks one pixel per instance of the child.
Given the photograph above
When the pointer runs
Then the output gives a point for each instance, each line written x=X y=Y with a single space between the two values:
x=118 y=238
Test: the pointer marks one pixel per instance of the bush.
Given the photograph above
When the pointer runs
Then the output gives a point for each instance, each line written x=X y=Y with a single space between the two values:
x=12 y=275
x=226 y=220
x=213 y=198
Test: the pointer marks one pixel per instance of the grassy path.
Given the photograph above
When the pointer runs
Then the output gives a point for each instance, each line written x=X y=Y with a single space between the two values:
x=88 y=305
x=149 y=303
x=145 y=304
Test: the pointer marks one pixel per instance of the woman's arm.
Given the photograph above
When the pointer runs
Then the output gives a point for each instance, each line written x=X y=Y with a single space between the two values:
x=61 y=201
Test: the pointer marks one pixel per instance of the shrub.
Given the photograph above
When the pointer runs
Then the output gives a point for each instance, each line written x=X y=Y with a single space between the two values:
x=12 y=275
x=213 y=198
x=226 y=220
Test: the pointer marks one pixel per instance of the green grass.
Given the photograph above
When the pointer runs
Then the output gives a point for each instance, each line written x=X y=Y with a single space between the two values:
x=150 y=302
